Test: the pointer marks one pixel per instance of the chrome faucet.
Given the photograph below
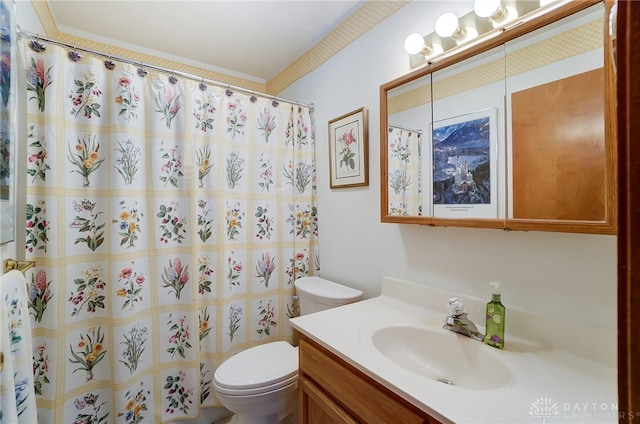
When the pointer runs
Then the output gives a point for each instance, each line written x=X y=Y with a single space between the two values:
x=458 y=321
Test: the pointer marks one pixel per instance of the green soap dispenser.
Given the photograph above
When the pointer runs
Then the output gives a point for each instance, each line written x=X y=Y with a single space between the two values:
x=495 y=319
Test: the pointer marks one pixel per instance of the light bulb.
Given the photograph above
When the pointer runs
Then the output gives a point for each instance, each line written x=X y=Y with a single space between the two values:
x=414 y=43
x=495 y=11
x=446 y=24
x=486 y=8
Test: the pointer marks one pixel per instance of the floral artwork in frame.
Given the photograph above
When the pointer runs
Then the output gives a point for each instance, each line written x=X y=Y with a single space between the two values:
x=348 y=150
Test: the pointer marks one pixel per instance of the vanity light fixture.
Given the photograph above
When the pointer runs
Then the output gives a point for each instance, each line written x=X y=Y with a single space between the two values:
x=494 y=11
x=471 y=43
x=488 y=19
x=415 y=44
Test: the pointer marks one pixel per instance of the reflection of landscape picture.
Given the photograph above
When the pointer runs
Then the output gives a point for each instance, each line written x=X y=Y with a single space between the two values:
x=461 y=162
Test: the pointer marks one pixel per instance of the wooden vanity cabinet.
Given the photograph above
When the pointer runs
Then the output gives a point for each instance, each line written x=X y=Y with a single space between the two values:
x=332 y=391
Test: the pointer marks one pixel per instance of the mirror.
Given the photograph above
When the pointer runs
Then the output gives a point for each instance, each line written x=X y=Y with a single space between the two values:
x=467 y=154
x=510 y=133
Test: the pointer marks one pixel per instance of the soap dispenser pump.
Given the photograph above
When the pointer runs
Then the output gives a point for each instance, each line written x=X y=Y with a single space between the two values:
x=495 y=319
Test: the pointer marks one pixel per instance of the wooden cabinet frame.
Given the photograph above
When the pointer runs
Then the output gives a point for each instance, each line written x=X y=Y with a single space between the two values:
x=607 y=225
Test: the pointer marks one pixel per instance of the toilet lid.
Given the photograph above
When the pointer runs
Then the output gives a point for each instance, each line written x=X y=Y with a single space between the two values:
x=326 y=291
x=258 y=367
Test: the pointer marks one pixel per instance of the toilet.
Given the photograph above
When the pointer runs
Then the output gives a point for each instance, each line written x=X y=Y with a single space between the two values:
x=260 y=384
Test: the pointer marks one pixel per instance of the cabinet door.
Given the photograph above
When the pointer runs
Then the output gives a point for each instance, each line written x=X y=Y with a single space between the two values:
x=363 y=399
x=318 y=408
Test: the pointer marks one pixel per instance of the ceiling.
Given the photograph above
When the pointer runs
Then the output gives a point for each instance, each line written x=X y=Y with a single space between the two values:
x=251 y=39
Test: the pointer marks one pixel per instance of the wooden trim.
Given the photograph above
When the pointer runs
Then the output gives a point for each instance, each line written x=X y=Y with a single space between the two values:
x=628 y=65
x=611 y=129
x=498 y=224
x=582 y=227
x=384 y=155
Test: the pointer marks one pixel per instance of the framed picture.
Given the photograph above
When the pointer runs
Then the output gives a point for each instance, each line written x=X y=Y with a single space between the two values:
x=463 y=153
x=349 y=150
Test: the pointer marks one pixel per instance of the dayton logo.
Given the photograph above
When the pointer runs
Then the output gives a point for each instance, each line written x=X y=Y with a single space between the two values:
x=543 y=408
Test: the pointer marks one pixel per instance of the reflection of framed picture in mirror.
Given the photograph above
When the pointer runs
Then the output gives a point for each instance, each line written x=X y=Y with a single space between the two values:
x=464 y=165
x=7 y=145
x=348 y=150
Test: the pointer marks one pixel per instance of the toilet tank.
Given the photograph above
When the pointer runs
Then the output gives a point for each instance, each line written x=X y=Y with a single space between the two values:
x=317 y=294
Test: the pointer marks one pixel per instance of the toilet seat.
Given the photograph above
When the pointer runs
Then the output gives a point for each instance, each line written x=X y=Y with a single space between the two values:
x=259 y=369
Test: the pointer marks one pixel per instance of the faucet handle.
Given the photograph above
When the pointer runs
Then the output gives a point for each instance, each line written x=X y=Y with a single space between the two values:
x=456 y=307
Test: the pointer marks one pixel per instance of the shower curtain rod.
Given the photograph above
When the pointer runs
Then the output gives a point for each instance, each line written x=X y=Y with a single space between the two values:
x=406 y=129
x=27 y=34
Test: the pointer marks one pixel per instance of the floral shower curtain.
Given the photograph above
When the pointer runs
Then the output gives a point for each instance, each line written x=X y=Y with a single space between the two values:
x=405 y=185
x=168 y=219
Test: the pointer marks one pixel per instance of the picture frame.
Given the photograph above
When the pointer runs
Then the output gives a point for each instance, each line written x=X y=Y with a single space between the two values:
x=464 y=169
x=349 y=150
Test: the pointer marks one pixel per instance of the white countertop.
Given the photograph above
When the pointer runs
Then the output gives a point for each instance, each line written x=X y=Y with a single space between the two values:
x=566 y=383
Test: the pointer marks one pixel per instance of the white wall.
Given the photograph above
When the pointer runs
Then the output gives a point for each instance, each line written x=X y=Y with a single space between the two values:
x=571 y=276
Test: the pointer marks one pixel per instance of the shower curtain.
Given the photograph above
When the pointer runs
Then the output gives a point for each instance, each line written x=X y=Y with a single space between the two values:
x=168 y=219
x=404 y=161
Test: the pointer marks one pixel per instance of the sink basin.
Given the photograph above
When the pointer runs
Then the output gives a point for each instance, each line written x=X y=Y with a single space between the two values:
x=442 y=356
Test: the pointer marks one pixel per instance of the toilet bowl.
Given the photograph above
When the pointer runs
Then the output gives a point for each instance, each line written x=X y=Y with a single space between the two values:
x=260 y=384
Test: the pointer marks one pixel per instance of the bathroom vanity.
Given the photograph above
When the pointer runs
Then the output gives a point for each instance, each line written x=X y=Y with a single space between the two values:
x=388 y=360
x=331 y=390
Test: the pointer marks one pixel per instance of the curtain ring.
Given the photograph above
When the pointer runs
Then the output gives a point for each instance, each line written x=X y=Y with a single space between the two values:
x=141 y=71
x=74 y=55
x=36 y=46
x=109 y=64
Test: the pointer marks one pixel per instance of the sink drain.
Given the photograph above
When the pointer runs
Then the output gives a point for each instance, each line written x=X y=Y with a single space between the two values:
x=445 y=381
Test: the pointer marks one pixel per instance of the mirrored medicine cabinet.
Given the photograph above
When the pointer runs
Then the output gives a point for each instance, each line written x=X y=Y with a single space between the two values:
x=516 y=132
